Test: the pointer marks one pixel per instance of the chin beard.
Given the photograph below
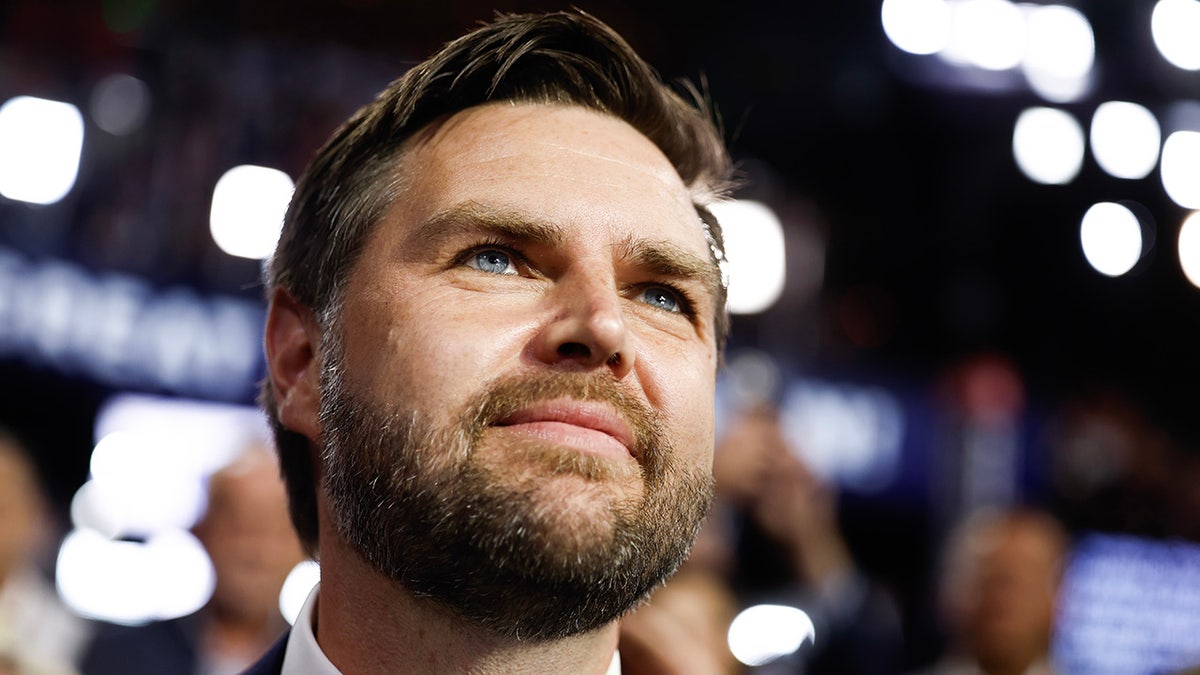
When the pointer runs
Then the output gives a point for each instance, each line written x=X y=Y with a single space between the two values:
x=424 y=507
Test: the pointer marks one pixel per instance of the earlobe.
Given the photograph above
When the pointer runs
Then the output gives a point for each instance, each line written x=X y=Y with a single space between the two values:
x=292 y=339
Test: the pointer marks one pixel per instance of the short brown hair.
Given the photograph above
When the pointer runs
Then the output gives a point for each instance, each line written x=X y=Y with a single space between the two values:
x=564 y=57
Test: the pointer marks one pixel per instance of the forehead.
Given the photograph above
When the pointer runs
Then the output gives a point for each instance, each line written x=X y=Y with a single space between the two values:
x=564 y=163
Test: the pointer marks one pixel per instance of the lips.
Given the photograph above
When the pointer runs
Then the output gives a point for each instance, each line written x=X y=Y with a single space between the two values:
x=574 y=422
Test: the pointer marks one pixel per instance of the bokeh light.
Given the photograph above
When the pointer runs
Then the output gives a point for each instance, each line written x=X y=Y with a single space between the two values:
x=120 y=104
x=754 y=246
x=1189 y=248
x=1111 y=236
x=140 y=487
x=1048 y=145
x=40 y=146
x=202 y=436
x=1125 y=139
x=1060 y=51
x=1180 y=168
x=248 y=206
x=916 y=26
x=1175 y=25
x=989 y=34
x=299 y=583
x=146 y=489
x=763 y=633
x=131 y=582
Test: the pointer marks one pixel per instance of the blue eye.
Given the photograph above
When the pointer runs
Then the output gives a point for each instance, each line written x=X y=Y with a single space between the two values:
x=492 y=261
x=662 y=298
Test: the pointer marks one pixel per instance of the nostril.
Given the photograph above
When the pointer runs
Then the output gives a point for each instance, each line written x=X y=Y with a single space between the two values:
x=574 y=350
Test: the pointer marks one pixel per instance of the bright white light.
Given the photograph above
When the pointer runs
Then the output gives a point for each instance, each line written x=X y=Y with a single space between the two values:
x=93 y=511
x=201 y=436
x=248 y=206
x=146 y=479
x=296 y=587
x=917 y=26
x=1125 y=139
x=1048 y=145
x=151 y=460
x=1189 y=248
x=755 y=249
x=1181 y=168
x=1059 y=41
x=185 y=572
x=763 y=633
x=120 y=103
x=40 y=144
x=1056 y=88
x=989 y=34
x=139 y=487
x=92 y=575
x=1059 y=53
x=127 y=582
x=1175 y=25
x=1111 y=237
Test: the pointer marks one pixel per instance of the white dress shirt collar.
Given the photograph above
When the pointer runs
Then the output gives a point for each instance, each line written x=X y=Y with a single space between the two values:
x=303 y=656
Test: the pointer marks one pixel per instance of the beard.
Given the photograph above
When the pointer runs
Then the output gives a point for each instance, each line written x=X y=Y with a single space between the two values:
x=484 y=530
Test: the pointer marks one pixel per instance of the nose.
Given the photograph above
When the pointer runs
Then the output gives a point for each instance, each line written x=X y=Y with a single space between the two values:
x=588 y=327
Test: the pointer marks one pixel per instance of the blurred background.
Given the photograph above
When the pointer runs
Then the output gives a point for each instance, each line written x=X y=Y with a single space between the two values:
x=965 y=270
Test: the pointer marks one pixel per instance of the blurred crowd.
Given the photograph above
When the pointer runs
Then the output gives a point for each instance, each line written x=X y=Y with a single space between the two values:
x=1001 y=535
x=249 y=540
x=986 y=603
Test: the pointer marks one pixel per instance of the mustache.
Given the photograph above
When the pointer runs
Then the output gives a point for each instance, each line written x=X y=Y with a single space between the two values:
x=509 y=394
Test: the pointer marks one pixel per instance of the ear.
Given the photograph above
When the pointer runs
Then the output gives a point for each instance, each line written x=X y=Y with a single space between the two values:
x=292 y=339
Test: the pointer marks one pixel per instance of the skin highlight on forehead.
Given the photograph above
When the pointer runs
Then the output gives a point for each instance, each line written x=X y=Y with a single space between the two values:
x=496 y=136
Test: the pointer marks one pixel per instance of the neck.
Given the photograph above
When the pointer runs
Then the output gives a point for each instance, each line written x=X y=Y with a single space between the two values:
x=366 y=623
x=229 y=632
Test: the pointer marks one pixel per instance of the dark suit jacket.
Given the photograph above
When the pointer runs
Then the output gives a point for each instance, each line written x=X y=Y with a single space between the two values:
x=271 y=663
x=150 y=649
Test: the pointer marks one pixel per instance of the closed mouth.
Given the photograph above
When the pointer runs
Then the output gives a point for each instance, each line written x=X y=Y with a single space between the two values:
x=571 y=417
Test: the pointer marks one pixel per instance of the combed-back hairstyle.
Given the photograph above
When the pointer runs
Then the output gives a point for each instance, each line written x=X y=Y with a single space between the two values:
x=565 y=58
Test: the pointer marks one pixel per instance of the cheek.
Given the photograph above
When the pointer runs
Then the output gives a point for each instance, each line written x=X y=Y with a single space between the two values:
x=432 y=348
x=683 y=389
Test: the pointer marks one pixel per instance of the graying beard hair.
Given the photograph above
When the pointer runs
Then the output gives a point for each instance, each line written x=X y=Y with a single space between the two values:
x=492 y=574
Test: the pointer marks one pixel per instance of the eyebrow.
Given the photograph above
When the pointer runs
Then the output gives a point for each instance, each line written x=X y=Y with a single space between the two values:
x=667 y=259
x=472 y=217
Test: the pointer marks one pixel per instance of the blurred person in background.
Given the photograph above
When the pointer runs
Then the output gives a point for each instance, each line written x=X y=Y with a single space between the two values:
x=38 y=635
x=682 y=628
x=998 y=593
x=781 y=525
x=1114 y=466
x=247 y=534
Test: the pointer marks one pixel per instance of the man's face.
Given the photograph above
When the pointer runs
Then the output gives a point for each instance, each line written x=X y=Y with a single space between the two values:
x=1005 y=600
x=518 y=396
